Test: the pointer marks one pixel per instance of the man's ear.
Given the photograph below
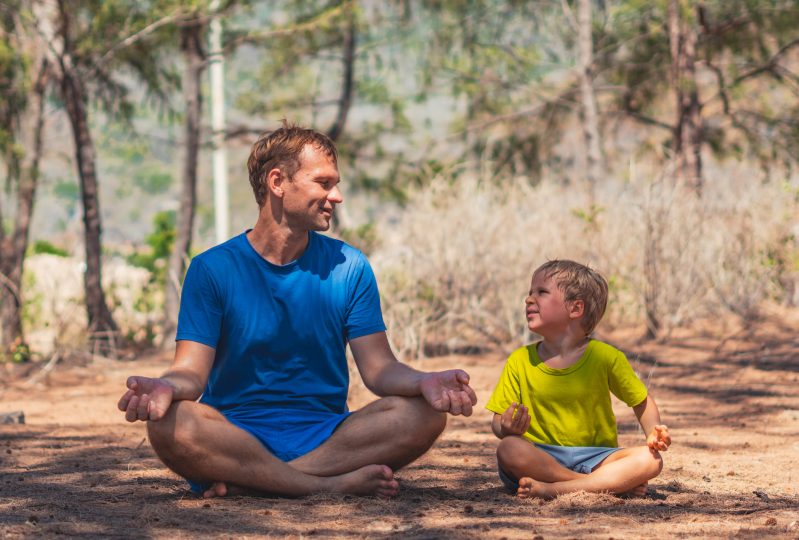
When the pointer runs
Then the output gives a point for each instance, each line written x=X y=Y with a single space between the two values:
x=274 y=182
x=576 y=309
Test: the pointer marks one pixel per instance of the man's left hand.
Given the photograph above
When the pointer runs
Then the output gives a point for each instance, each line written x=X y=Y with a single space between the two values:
x=449 y=391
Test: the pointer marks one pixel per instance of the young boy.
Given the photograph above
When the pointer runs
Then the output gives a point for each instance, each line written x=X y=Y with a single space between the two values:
x=552 y=403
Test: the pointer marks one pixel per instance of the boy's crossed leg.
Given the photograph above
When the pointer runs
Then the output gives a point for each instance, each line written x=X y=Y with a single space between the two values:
x=624 y=472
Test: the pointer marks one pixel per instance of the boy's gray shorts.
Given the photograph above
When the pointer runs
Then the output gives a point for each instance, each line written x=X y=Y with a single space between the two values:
x=581 y=459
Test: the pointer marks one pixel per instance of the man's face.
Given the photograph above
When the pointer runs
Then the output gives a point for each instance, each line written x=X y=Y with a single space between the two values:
x=310 y=197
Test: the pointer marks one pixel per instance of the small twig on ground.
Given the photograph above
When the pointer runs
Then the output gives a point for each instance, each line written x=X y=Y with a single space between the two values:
x=44 y=371
x=725 y=339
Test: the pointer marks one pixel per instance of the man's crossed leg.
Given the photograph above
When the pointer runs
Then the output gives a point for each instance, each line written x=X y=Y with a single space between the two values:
x=199 y=443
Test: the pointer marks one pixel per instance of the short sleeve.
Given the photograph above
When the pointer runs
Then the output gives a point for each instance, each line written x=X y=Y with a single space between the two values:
x=624 y=383
x=363 y=314
x=508 y=389
x=200 y=317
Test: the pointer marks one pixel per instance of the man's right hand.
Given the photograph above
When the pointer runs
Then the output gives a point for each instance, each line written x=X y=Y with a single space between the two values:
x=515 y=424
x=146 y=398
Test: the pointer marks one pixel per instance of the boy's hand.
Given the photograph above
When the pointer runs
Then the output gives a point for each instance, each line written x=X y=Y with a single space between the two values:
x=515 y=424
x=659 y=439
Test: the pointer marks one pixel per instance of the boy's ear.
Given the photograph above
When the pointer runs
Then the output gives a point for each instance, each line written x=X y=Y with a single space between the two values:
x=576 y=309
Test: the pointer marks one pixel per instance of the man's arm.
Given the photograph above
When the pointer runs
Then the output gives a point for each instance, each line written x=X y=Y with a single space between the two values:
x=149 y=399
x=383 y=374
x=657 y=434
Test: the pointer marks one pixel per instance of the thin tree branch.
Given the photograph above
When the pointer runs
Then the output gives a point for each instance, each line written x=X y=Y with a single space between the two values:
x=144 y=32
x=567 y=13
x=768 y=66
x=262 y=37
x=635 y=115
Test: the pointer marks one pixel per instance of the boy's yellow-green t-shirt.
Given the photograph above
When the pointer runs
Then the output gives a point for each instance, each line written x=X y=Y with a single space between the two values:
x=570 y=406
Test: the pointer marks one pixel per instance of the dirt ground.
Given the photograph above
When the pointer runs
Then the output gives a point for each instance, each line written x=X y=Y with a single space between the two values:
x=730 y=397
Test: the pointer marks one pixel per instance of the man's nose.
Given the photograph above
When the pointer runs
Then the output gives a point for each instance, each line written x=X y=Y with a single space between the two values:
x=335 y=196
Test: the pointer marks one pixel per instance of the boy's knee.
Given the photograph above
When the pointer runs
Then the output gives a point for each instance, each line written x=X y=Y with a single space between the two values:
x=651 y=461
x=508 y=455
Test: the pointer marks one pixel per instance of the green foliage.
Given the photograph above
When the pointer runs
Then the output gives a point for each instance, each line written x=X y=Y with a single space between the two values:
x=160 y=243
x=300 y=76
x=45 y=247
x=153 y=182
x=589 y=216
x=67 y=190
x=20 y=353
x=33 y=306
x=742 y=71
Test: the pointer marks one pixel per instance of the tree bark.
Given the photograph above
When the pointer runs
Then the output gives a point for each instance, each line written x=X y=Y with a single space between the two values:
x=13 y=247
x=100 y=320
x=687 y=135
x=194 y=59
x=345 y=101
x=593 y=150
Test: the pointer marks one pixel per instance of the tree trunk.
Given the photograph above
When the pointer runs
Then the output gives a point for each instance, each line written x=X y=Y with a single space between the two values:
x=594 y=163
x=345 y=100
x=687 y=136
x=12 y=249
x=101 y=323
x=191 y=46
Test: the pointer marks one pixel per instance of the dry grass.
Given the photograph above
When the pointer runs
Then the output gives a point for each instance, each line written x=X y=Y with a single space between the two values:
x=455 y=266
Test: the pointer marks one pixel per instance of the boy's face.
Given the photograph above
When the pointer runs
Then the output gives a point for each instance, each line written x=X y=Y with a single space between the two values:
x=547 y=311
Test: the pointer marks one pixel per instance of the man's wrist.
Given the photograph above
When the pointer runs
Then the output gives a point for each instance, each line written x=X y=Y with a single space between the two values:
x=174 y=385
x=421 y=380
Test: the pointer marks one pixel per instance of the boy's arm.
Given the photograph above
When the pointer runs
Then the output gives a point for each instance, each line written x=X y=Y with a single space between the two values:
x=657 y=434
x=509 y=424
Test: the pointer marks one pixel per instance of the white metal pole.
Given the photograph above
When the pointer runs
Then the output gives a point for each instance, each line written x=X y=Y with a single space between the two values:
x=216 y=69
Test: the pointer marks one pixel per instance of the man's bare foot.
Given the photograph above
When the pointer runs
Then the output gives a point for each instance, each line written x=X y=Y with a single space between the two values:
x=222 y=489
x=529 y=488
x=217 y=489
x=369 y=480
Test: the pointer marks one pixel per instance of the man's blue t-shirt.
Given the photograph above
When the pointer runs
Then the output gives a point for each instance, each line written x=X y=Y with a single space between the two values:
x=280 y=333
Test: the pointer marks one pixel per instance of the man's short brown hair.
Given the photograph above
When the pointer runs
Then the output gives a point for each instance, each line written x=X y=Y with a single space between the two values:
x=280 y=149
x=579 y=282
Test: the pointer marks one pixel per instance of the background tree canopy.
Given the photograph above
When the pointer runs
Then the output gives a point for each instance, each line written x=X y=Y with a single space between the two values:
x=105 y=135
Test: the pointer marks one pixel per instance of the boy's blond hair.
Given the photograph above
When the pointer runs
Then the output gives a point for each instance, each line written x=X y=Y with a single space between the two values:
x=579 y=282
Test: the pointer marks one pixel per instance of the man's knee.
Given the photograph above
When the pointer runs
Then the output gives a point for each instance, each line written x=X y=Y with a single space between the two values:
x=424 y=424
x=173 y=437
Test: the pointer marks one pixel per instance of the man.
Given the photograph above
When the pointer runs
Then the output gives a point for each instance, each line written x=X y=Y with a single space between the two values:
x=263 y=326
